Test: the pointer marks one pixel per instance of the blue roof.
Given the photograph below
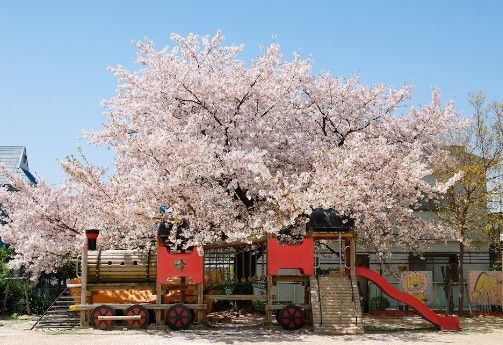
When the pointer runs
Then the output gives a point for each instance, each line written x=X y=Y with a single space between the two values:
x=15 y=159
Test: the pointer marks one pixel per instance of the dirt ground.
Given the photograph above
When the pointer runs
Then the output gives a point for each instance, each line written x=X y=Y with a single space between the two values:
x=410 y=330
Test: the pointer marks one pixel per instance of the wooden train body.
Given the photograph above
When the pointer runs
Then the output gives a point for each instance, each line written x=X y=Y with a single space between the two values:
x=162 y=287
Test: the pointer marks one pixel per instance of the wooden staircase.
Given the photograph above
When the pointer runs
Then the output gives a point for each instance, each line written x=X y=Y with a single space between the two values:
x=58 y=315
x=335 y=305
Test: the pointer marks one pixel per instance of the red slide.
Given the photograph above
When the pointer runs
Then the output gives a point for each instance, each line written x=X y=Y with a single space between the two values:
x=444 y=323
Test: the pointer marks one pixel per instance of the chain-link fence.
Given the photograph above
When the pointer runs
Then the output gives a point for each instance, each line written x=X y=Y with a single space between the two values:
x=444 y=291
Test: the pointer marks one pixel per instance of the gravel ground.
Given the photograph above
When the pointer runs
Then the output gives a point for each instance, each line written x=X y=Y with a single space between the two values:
x=480 y=330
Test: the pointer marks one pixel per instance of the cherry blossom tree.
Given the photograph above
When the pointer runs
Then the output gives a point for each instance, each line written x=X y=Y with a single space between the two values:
x=45 y=225
x=238 y=150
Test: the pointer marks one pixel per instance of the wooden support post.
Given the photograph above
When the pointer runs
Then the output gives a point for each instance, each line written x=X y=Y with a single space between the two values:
x=200 y=300
x=83 y=288
x=347 y=256
x=183 y=282
x=307 y=300
x=352 y=260
x=268 y=311
x=268 y=315
x=341 y=268
x=158 y=300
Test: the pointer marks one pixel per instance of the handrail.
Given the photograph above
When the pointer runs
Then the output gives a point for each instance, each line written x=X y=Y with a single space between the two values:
x=345 y=263
x=353 y=299
x=77 y=263
x=319 y=299
x=340 y=255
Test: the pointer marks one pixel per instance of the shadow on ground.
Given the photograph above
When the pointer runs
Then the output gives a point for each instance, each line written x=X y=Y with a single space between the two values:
x=386 y=330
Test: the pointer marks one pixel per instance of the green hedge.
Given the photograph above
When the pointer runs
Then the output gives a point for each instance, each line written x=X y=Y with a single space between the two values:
x=378 y=303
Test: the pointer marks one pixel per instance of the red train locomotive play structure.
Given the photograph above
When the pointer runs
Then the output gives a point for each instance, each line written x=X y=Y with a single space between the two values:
x=160 y=287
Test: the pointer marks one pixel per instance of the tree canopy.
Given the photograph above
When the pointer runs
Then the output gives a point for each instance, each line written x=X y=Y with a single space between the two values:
x=237 y=150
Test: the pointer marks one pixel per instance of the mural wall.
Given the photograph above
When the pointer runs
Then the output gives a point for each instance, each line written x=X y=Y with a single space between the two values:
x=417 y=284
x=485 y=287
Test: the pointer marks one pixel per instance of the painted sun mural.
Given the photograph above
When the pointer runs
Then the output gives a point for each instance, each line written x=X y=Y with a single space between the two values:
x=417 y=284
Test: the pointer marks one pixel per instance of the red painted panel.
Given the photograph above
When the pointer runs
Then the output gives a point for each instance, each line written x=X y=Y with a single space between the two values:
x=299 y=256
x=189 y=265
x=444 y=323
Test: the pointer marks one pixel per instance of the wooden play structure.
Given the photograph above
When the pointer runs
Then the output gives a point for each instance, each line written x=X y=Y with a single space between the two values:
x=160 y=287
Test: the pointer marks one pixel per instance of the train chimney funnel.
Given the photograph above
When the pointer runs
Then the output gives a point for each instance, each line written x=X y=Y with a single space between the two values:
x=92 y=235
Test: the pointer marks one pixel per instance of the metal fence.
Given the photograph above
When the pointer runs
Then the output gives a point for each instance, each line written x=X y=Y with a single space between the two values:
x=444 y=268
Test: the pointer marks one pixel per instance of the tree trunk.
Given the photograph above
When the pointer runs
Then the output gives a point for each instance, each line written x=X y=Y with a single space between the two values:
x=27 y=297
x=447 y=278
x=245 y=266
x=450 y=297
x=4 y=306
x=461 y=278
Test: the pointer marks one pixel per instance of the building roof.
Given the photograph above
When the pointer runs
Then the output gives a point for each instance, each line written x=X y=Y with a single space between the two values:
x=15 y=159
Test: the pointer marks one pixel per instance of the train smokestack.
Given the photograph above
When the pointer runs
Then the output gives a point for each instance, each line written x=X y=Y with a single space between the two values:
x=92 y=235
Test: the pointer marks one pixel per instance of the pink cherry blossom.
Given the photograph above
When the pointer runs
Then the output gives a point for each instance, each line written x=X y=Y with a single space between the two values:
x=238 y=149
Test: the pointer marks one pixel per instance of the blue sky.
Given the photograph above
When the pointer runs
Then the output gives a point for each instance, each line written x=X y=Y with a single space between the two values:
x=54 y=54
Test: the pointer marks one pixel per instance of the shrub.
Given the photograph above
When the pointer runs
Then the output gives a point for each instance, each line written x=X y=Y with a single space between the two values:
x=378 y=303
x=16 y=299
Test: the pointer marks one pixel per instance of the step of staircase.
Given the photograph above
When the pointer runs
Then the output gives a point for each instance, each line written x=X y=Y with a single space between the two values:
x=333 y=305
x=333 y=329
x=68 y=322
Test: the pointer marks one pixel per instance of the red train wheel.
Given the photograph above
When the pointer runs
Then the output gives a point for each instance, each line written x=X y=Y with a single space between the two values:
x=134 y=310
x=291 y=318
x=178 y=317
x=102 y=310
